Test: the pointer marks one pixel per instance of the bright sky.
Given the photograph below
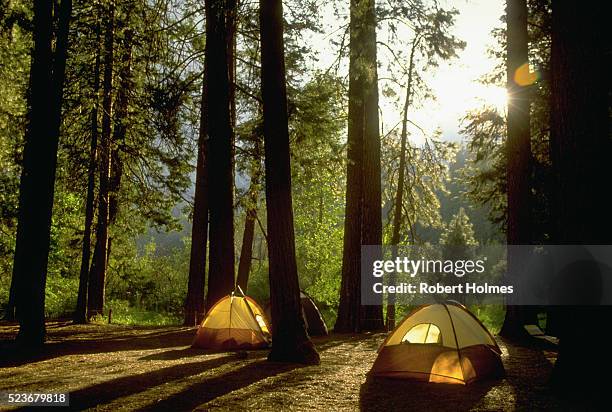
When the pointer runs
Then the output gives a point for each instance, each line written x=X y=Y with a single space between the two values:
x=454 y=83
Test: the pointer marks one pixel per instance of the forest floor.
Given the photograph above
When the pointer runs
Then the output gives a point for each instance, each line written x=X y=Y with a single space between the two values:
x=108 y=368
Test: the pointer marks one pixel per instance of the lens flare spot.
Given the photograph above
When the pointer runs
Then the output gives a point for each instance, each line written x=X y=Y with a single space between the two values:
x=524 y=77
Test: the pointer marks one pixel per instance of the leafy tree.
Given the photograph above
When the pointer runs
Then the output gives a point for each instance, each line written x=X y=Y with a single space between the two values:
x=15 y=38
x=430 y=41
x=459 y=232
x=458 y=242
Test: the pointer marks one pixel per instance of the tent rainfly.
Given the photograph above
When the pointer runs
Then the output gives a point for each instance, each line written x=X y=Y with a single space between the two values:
x=314 y=320
x=234 y=322
x=442 y=343
x=315 y=325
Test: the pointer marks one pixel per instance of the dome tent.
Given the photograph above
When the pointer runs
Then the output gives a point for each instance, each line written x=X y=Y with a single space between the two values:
x=442 y=343
x=235 y=322
x=315 y=324
x=314 y=320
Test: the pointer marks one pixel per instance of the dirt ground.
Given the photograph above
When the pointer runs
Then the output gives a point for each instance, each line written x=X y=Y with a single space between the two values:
x=109 y=368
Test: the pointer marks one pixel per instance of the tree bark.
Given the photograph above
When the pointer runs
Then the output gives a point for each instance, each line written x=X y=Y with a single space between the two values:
x=221 y=254
x=80 y=314
x=120 y=118
x=371 y=228
x=194 y=303
x=246 y=251
x=349 y=309
x=291 y=342
x=39 y=166
x=581 y=150
x=363 y=215
x=518 y=155
x=399 y=194
x=97 y=275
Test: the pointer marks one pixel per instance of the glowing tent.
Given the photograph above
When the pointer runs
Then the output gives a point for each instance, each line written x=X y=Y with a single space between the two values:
x=442 y=343
x=234 y=322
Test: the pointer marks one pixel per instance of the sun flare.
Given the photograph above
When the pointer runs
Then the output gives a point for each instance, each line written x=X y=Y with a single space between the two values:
x=455 y=97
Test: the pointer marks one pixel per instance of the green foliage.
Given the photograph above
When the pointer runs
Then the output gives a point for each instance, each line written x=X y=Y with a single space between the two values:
x=426 y=177
x=459 y=232
x=319 y=186
x=125 y=314
x=15 y=43
x=60 y=299
x=485 y=130
x=492 y=316
x=147 y=279
x=485 y=172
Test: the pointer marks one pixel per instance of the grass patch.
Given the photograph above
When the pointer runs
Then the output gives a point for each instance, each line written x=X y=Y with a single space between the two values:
x=124 y=314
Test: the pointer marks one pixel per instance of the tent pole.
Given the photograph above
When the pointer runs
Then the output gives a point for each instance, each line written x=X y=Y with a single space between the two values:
x=450 y=318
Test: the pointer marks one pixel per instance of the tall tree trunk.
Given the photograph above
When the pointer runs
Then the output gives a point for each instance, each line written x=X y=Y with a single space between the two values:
x=581 y=151
x=220 y=162
x=120 y=118
x=371 y=224
x=97 y=274
x=9 y=312
x=246 y=251
x=39 y=166
x=80 y=314
x=349 y=309
x=518 y=155
x=399 y=194
x=232 y=21
x=291 y=342
x=194 y=302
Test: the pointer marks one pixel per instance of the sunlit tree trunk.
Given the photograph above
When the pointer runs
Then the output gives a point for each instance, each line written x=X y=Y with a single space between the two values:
x=291 y=342
x=349 y=309
x=220 y=161
x=399 y=194
x=518 y=155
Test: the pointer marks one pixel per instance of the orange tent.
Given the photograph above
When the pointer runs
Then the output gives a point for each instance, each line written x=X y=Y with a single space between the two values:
x=442 y=343
x=234 y=322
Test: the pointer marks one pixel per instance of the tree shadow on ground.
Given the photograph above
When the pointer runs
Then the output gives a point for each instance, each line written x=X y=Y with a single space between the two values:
x=176 y=354
x=336 y=339
x=383 y=394
x=108 y=391
x=63 y=344
x=528 y=372
x=214 y=387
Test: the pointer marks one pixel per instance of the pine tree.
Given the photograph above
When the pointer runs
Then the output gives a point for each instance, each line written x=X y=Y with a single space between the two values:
x=99 y=265
x=363 y=217
x=291 y=342
x=37 y=184
x=220 y=159
x=518 y=155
